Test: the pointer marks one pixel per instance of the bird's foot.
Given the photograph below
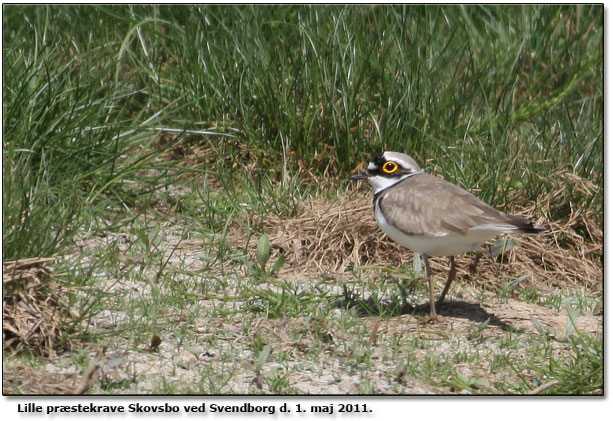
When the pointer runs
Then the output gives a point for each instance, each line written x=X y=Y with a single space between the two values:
x=433 y=318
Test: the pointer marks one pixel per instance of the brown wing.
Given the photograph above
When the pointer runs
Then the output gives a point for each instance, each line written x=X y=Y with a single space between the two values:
x=428 y=205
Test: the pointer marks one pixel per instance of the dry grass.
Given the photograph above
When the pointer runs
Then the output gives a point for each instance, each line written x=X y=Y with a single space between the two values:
x=19 y=378
x=328 y=238
x=33 y=314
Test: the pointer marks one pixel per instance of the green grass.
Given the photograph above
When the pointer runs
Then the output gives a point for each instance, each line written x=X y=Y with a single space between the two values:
x=136 y=138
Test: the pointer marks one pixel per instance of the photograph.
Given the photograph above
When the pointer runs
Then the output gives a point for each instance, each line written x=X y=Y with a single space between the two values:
x=287 y=209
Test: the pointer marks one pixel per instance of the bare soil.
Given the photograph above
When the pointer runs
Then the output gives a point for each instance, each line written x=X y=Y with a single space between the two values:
x=326 y=241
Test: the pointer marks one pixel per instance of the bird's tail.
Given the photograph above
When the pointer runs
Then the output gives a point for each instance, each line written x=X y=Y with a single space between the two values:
x=525 y=225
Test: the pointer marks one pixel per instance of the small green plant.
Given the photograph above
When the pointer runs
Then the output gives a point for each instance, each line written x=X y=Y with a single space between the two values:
x=262 y=255
x=462 y=382
x=278 y=381
x=509 y=289
x=262 y=358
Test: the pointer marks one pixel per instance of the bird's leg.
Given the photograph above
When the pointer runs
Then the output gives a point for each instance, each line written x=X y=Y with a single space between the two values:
x=450 y=278
x=473 y=266
x=433 y=316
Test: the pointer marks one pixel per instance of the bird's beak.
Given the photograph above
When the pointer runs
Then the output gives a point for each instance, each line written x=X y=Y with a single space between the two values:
x=359 y=176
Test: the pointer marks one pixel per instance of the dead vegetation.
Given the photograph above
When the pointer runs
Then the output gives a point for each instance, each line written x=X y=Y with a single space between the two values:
x=19 y=378
x=328 y=238
x=34 y=314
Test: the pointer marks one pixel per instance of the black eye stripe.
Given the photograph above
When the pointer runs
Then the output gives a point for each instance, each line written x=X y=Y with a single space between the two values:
x=391 y=166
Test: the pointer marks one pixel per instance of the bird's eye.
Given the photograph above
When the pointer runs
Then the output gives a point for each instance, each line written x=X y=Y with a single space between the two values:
x=390 y=167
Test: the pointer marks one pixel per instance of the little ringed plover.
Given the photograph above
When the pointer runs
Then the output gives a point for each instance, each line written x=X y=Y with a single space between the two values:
x=431 y=216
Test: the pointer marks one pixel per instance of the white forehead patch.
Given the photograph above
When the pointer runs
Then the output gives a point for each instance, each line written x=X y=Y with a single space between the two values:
x=372 y=166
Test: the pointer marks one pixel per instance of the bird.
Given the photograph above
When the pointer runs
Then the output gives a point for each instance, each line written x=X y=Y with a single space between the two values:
x=432 y=216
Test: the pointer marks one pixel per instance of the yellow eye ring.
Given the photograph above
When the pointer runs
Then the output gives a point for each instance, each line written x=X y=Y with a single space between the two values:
x=390 y=167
